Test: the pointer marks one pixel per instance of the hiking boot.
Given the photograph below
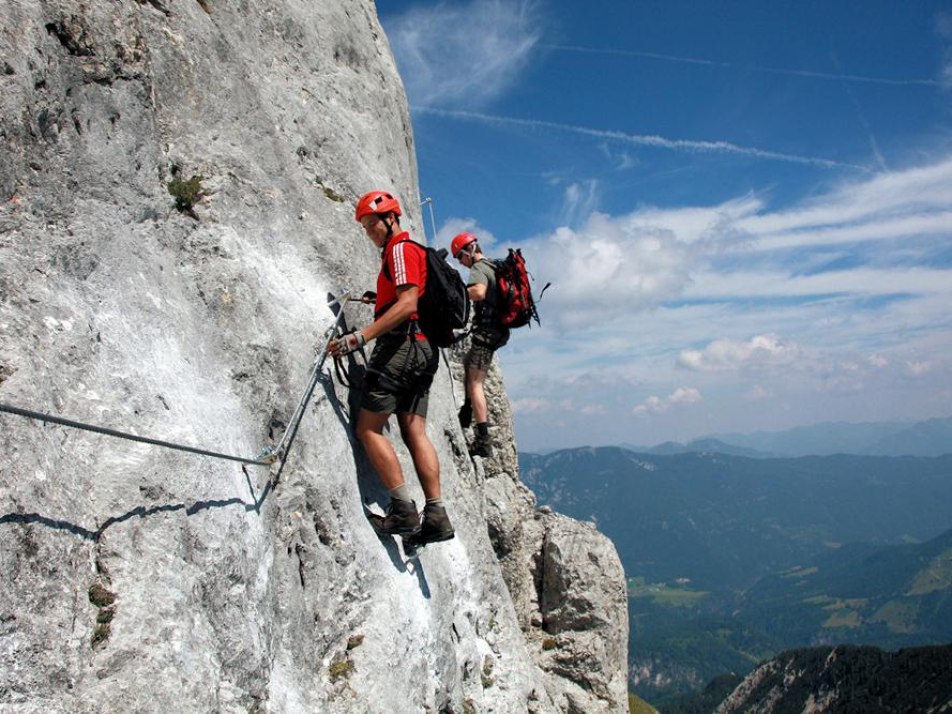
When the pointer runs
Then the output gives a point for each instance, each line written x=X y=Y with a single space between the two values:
x=481 y=447
x=436 y=525
x=401 y=519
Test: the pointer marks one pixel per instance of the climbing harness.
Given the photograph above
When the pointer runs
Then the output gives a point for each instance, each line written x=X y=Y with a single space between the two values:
x=266 y=457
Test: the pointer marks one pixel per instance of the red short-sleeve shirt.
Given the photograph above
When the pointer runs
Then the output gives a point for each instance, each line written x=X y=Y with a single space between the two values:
x=404 y=263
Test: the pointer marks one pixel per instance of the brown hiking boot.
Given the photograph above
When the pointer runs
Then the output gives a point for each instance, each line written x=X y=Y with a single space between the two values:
x=401 y=519
x=436 y=525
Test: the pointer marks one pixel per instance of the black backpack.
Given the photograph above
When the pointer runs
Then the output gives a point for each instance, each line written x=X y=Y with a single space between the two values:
x=444 y=306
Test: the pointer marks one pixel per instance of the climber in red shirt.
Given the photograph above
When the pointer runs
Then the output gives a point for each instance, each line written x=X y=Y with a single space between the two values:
x=399 y=375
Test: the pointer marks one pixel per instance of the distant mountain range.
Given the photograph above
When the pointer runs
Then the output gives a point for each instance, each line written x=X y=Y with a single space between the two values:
x=925 y=438
x=732 y=559
x=726 y=521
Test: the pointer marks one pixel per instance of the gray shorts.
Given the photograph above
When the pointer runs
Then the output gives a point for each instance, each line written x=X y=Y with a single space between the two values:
x=399 y=375
x=483 y=345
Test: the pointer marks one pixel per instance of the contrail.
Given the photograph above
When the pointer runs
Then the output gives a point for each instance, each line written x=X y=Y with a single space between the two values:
x=633 y=53
x=873 y=144
x=722 y=147
x=753 y=68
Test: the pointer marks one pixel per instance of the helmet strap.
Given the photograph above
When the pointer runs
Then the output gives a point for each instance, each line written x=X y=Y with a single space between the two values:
x=389 y=224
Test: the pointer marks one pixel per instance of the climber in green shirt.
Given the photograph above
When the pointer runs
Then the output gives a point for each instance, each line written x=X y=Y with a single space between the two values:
x=487 y=336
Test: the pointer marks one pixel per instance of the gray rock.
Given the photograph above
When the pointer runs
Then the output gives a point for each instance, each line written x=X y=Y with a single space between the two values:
x=565 y=578
x=176 y=201
x=584 y=609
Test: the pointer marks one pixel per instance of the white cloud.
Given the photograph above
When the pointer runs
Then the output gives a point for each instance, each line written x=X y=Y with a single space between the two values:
x=775 y=282
x=455 y=51
x=580 y=201
x=759 y=393
x=530 y=405
x=856 y=210
x=872 y=227
x=609 y=270
x=708 y=225
x=684 y=395
x=728 y=355
x=622 y=161
x=836 y=308
x=626 y=161
x=659 y=405
x=650 y=405
x=607 y=267
x=454 y=226
x=918 y=368
x=605 y=377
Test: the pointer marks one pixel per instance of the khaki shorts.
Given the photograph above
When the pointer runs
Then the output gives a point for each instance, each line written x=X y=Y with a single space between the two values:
x=483 y=345
x=399 y=375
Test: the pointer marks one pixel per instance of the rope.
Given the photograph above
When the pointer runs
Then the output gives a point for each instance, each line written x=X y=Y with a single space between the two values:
x=265 y=458
x=40 y=416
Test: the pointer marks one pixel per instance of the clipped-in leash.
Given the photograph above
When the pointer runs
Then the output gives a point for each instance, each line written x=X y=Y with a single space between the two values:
x=266 y=458
x=279 y=451
x=367 y=299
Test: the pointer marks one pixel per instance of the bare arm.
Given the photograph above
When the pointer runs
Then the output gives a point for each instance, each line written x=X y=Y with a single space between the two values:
x=477 y=292
x=399 y=312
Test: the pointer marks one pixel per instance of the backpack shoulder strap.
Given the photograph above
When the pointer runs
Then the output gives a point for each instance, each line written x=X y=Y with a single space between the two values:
x=386 y=264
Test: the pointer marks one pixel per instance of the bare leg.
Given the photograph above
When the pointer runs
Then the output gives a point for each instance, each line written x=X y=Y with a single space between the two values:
x=378 y=447
x=475 y=378
x=425 y=460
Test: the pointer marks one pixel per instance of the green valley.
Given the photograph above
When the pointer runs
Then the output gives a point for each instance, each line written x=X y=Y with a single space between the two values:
x=731 y=560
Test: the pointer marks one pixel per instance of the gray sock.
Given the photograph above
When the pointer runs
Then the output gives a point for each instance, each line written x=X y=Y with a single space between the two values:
x=434 y=502
x=400 y=493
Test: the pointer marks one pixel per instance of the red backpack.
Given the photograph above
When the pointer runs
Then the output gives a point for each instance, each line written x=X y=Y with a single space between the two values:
x=515 y=305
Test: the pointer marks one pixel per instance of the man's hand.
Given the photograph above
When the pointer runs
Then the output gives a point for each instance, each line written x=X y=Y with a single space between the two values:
x=345 y=344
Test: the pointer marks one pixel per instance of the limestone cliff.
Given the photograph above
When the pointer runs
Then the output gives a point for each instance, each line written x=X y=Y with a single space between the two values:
x=177 y=180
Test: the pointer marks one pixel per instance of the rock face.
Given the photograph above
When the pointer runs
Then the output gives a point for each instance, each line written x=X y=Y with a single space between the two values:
x=565 y=578
x=176 y=201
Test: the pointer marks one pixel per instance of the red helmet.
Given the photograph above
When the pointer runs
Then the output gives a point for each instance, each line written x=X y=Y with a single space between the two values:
x=376 y=202
x=462 y=240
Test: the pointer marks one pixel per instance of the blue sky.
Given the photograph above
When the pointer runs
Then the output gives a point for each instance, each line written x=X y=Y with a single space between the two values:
x=745 y=208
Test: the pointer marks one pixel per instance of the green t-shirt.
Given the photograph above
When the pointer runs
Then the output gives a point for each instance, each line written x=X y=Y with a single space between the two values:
x=483 y=273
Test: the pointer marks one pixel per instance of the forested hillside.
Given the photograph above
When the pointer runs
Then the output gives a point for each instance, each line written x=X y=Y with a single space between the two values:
x=865 y=680
x=731 y=560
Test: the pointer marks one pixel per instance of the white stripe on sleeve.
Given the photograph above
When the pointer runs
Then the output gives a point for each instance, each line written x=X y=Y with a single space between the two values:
x=399 y=265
